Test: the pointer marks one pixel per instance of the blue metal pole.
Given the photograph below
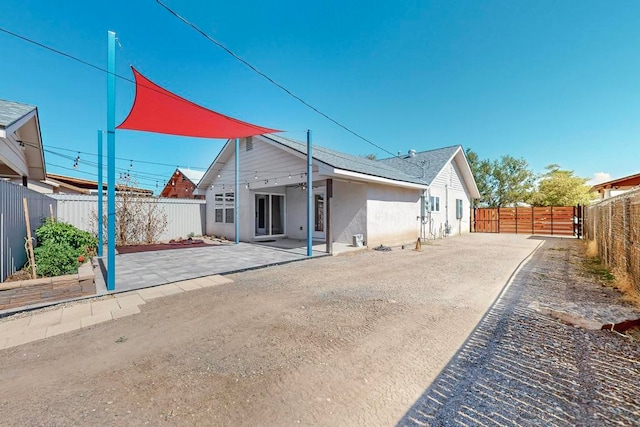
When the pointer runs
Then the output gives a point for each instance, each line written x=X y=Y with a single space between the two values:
x=309 y=195
x=100 y=209
x=237 y=195
x=111 y=162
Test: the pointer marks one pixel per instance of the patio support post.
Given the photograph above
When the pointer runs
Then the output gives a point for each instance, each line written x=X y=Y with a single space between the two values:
x=100 y=207
x=111 y=162
x=237 y=191
x=328 y=197
x=309 y=195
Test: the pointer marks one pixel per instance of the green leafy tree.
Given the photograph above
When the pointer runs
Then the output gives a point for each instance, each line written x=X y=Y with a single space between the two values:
x=481 y=170
x=559 y=187
x=503 y=182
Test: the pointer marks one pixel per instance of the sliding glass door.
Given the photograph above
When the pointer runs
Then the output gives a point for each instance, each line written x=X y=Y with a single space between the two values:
x=270 y=215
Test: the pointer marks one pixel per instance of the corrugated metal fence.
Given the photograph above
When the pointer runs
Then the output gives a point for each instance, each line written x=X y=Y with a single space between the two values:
x=13 y=229
x=184 y=216
x=615 y=226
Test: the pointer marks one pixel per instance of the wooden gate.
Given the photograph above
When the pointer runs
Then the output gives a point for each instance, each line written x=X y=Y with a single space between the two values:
x=551 y=220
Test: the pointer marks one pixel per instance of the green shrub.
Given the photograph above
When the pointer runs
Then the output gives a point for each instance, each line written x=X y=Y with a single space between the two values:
x=59 y=246
x=63 y=233
x=55 y=259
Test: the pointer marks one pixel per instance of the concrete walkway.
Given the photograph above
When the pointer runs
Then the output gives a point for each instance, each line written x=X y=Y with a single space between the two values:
x=38 y=325
x=147 y=269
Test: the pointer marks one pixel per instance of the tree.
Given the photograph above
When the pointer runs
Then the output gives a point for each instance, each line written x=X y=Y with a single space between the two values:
x=559 y=187
x=370 y=156
x=504 y=182
x=140 y=219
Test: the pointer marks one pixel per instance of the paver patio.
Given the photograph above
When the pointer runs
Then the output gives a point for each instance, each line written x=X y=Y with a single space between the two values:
x=147 y=269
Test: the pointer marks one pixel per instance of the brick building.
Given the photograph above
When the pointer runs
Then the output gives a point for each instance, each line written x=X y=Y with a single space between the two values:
x=182 y=184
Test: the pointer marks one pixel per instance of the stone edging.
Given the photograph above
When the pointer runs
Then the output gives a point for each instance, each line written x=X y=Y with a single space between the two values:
x=48 y=289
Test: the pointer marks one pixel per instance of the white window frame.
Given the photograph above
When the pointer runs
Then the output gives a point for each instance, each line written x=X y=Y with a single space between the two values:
x=434 y=203
x=225 y=204
x=459 y=208
x=269 y=226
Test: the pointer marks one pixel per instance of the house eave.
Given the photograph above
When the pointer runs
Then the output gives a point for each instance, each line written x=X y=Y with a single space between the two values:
x=375 y=179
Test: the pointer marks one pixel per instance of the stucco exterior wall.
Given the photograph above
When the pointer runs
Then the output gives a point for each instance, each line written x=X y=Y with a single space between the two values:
x=296 y=208
x=392 y=215
x=348 y=211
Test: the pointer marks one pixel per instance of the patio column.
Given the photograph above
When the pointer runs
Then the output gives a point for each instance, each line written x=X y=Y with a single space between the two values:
x=309 y=195
x=237 y=192
x=100 y=208
x=327 y=236
x=111 y=162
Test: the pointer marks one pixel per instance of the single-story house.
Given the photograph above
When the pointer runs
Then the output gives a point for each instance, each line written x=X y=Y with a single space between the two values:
x=616 y=187
x=21 y=153
x=390 y=202
x=182 y=184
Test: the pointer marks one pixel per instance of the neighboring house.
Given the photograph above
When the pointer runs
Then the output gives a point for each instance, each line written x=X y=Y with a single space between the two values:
x=62 y=184
x=382 y=200
x=182 y=184
x=616 y=186
x=21 y=154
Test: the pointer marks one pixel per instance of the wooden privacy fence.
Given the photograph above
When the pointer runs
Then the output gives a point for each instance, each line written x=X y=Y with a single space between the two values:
x=548 y=220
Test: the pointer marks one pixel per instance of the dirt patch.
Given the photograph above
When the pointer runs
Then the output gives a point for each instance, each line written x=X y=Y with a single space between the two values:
x=331 y=341
x=130 y=249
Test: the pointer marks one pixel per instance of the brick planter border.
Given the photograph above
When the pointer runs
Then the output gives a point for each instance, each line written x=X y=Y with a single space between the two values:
x=48 y=289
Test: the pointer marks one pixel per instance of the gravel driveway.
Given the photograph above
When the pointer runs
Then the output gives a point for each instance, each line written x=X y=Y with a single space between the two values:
x=523 y=367
x=348 y=340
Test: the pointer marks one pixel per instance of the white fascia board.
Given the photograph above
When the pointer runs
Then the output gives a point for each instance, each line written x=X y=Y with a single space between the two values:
x=20 y=122
x=376 y=179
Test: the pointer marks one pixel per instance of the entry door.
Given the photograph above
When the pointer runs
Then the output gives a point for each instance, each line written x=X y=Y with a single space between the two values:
x=319 y=214
x=262 y=219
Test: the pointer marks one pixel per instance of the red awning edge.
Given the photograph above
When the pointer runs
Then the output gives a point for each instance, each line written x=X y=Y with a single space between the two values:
x=155 y=109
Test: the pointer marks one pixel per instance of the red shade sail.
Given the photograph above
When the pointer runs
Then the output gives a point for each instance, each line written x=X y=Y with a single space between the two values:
x=157 y=110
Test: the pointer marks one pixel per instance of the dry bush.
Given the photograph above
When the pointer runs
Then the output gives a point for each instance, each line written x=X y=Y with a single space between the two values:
x=624 y=283
x=591 y=249
x=140 y=219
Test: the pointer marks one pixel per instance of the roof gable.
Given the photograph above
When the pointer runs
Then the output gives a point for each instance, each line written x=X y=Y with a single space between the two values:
x=426 y=164
x=11 y=112
x=192 y=175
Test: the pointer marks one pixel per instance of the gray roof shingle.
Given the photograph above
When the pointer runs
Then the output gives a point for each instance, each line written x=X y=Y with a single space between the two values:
x=11 y=112
x=353 y=163
x=428 y=162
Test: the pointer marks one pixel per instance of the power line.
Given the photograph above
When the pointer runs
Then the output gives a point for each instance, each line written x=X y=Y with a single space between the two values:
x=272 y=81
x=96 y=67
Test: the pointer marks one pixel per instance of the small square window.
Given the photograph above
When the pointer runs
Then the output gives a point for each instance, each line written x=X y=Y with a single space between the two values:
x=434 y=203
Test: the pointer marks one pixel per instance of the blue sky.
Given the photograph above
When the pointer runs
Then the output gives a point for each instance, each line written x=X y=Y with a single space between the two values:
x=548 y=81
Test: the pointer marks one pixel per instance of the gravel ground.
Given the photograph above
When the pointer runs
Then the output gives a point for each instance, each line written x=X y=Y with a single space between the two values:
x=348 y=340
x=521 y=367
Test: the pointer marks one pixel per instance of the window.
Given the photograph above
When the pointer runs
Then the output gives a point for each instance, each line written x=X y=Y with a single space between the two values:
x=224 y=205
x=434 y=204
x=458 y=208
x=249 y=144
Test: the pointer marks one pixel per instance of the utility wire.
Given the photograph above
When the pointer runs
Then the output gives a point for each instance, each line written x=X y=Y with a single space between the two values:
x=82 y=61
x=272 y=81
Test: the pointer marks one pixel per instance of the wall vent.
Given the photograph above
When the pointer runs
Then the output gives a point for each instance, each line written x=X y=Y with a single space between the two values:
x=249 y=145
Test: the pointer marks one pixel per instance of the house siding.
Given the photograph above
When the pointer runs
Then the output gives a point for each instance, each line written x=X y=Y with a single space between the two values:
x=270 y=165
x=449 y=186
